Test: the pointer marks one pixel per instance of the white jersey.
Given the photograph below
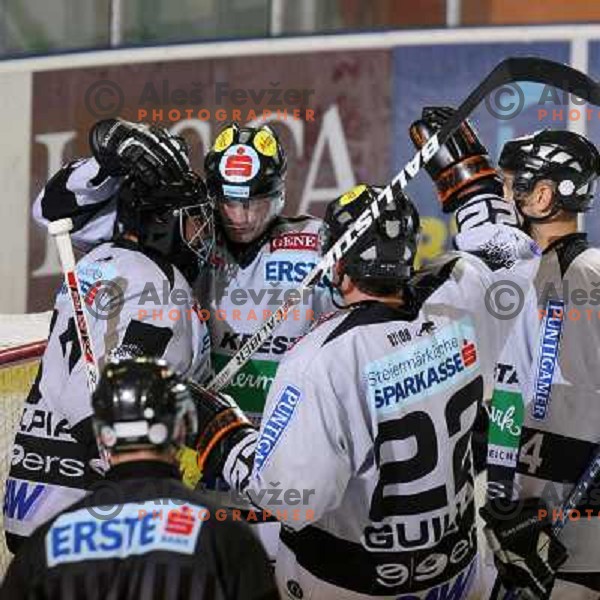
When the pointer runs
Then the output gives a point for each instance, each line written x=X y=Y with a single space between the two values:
x=239 y=291
x=242 y=289
x=549 y=433
x=366 y=437
x=54 y=444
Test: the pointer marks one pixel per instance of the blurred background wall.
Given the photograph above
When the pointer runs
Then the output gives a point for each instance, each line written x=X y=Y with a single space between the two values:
x=363 y=69
x=38 y=26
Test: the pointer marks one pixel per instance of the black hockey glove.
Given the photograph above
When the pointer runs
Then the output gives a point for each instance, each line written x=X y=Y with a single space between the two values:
x=461 y=168
x=526 y=552
x=151 y=154
x=221 y=425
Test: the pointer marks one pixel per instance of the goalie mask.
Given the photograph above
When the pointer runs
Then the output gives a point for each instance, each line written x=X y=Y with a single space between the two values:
x=245 y=174
x=174 y=219
x=142 y=404
x=383 y=256
x=563 y=157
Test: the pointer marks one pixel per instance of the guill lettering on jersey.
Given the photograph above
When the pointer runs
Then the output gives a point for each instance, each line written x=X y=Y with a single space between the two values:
x=548 y=355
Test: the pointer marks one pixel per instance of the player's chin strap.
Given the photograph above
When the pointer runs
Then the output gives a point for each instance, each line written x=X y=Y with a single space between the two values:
x=529 y=220
x=333 y=287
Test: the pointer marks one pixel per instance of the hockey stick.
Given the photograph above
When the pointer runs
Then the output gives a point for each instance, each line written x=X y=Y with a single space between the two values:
x=59 y=230
x=586 y=481
x=510 y=70
x=583 y=486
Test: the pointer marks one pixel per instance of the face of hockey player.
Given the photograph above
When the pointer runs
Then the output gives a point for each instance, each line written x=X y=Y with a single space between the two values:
x=537 y=203
x=245 y=221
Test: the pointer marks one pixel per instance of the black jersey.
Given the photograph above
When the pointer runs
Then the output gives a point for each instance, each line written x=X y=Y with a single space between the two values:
x=141 y=534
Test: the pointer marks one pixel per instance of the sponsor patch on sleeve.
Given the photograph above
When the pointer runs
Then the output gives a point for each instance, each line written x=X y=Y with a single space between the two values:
x=278 y=420
x=549 y=346
x=79 y=536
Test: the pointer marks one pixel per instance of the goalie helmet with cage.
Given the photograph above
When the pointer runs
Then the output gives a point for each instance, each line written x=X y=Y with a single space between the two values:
x=141 y=404
x=383 y=256
x=170 y=218
x=566 y=158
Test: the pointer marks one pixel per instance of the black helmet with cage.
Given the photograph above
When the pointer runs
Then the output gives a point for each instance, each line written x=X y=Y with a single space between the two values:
x=382 y=259
x=566 y=158
x=246 y=163
x=173 y=219
x=142 y=404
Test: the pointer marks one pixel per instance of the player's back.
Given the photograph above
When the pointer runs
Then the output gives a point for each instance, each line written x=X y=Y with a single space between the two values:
x=141 y=535
x=54 y=445
x=561 y=429
x=404 y=384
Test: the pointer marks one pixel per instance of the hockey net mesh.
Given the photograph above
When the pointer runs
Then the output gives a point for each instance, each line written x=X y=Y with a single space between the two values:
x=22 y=342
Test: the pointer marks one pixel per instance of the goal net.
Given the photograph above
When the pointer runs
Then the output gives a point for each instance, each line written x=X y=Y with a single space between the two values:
x=22 y=343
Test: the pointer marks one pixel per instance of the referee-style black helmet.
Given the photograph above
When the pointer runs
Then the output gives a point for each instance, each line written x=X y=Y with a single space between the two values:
x=140 y=404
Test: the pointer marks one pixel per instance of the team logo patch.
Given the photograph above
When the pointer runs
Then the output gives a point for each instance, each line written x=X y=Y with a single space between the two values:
x=79 y=536
x=278 y=420
x=295 y=241
x=264 y=141
x=547 y=357
x=352 y=194
x=224 y=140
x=239 y=164
x=295 y=589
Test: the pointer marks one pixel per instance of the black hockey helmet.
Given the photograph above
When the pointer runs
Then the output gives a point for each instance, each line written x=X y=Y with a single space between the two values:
x=159 y=216
x=140 y=404
x=564 y=157
x=384 y=254
x=246 y=162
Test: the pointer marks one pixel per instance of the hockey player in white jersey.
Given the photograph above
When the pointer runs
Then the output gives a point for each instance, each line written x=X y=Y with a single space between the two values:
x=54 y=450
x=260 y=258
x=364 y=449
x=551 y=177
x=260 y=255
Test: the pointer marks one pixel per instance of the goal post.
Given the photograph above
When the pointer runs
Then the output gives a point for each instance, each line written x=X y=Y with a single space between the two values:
x=22 y=343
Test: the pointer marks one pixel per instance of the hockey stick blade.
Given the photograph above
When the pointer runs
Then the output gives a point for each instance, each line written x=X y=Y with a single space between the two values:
x=508 y=71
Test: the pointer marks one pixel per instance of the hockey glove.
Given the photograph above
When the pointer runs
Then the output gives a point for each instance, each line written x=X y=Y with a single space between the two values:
x=526 y=552
x=461 y=168
x=221 y=425
x=151 y=154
